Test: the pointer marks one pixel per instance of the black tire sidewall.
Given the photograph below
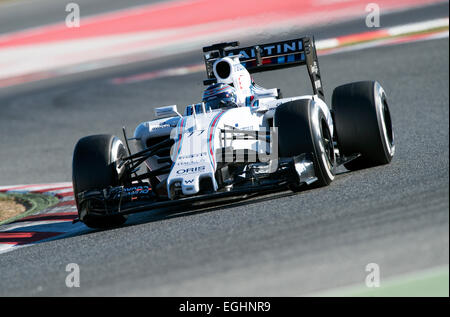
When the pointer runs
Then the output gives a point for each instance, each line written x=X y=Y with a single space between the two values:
x=94 y=167
x=360 y=123
x=299 y=132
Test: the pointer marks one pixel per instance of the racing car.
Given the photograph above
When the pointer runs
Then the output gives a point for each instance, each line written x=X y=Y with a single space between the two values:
x=240 y=140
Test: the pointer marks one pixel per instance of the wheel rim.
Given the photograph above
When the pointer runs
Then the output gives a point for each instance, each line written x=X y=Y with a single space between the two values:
x=117 y=153
x=388 y=123
x=385 y=120
x=328 y=145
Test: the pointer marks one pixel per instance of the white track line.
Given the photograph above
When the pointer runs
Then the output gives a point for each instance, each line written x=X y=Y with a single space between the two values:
x=418 y=27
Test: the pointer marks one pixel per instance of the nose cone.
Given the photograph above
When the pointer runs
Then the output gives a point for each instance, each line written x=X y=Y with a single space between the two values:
x=190 y=184
x=192 y=158
x=191 y=180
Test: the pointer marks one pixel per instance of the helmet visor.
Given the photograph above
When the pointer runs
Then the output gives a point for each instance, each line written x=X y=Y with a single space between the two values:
x=218 y=103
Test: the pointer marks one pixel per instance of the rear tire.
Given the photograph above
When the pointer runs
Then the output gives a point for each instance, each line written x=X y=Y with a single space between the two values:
x=363 y=124
x=303 y=128
x=94 y=167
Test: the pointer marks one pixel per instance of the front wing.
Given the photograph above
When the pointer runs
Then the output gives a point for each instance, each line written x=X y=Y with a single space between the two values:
x=139 y=197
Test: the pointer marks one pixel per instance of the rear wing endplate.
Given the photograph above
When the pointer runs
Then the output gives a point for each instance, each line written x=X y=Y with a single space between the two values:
x=271 y=56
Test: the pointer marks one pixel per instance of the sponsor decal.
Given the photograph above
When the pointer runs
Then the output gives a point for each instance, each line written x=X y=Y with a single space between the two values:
x=162 y=126
x=238 y=67
x=271 y=49
x=190 y=156
x=136 y=190
x=190 y=162
x=315 y=68
x=191 y=170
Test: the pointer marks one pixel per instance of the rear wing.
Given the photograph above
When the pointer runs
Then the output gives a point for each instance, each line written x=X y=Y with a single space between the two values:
x=271 y=56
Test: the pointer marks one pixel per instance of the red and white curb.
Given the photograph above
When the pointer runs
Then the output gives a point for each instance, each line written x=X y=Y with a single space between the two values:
x=48 y=224
x=162 y=29
x=427 y=30
x=396 y=34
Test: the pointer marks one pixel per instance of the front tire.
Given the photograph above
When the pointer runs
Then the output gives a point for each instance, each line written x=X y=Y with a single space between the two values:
x=303 y=128
x=363 y=124
x=94 y=167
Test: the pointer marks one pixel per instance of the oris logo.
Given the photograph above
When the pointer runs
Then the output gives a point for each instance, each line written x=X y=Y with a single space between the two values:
x=191 y=170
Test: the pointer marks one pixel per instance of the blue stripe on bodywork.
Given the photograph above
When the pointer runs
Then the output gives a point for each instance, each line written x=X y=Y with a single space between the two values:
x=211 y=134
x=180 y=127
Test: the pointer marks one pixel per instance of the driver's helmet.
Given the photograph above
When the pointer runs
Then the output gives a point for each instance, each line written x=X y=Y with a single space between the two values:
x=219 y=96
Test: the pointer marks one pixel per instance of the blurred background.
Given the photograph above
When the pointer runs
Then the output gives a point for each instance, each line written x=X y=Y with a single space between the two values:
x=42 y=39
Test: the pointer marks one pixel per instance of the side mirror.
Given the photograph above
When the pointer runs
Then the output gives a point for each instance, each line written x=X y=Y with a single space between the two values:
x=167 y=111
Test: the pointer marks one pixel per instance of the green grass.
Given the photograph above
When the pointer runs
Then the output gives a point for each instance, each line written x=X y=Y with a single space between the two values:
x=429 y=283
x=33 y=203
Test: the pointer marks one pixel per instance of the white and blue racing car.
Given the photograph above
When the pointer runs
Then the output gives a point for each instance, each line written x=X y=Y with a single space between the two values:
x=240 y=140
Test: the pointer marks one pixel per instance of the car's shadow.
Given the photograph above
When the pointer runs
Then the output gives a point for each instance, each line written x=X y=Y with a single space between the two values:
x=229 y=203
x=65 y=229
x=225 y=204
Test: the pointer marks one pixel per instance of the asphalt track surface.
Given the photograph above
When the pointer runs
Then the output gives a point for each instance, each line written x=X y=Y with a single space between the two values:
x=283 y=244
